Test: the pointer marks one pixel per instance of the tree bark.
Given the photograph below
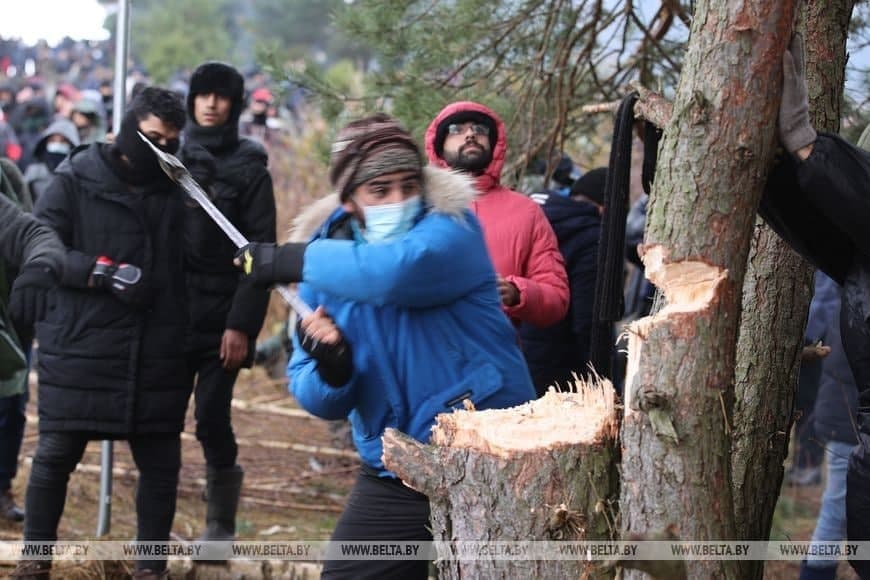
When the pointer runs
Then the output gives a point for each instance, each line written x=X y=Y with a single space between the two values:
x=713 y=158
x=541 y=471
x=776 y=294
x=778 y=286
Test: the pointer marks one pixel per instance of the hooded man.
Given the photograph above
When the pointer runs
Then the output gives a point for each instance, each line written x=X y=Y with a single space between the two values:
x=532 y=282
x=55 y=144
x=407 y=322
x=226 y=312
x=109 y=362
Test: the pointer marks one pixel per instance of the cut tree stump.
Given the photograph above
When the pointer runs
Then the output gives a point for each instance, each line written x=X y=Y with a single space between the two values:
x=545 y=470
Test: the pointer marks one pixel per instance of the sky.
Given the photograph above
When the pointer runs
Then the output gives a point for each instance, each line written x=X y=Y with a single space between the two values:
x=31 y=20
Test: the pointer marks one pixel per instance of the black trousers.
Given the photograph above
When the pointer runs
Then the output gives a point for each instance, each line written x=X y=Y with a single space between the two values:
x=381 y=509
x=213 y=396
x=12 y=420
x=158 y=459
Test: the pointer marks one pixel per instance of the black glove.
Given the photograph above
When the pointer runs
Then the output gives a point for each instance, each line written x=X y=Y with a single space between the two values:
x=28 y=298
x=200 y=163
x=269 y=263
x=334 y=361
x=793 y=125
x=123 y=280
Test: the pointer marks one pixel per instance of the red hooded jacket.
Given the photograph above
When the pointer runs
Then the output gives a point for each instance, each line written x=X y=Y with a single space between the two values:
x=519 y=238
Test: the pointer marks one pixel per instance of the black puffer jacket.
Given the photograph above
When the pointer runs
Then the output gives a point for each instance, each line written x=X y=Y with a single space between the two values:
x=242 y=191
x=105 y=366
x=23 y=239
x=821 y=207
x=554 y=352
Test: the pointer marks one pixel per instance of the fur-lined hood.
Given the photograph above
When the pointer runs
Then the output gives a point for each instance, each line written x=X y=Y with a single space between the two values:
x=444 y=191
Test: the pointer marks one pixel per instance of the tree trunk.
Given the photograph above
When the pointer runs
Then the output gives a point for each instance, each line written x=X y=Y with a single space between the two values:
x=776 y=294
x=713 y=158
x=778 y=285
x=541 y=471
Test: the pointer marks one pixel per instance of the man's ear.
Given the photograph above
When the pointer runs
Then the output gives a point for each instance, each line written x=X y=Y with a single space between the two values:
x=349 y=206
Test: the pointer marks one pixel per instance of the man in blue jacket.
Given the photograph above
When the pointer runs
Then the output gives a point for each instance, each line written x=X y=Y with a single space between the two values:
x=408 y=322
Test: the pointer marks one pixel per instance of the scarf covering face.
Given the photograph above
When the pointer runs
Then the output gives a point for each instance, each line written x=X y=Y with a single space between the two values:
x=145 y=166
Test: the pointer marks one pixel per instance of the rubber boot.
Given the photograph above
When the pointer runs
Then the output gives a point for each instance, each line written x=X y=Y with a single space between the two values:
x=223 y=488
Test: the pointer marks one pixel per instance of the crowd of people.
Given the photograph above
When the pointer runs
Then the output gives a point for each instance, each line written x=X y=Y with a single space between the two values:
x=433 y=286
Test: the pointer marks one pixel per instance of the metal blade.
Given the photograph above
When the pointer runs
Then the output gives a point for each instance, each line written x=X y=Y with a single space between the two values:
x=178 y=173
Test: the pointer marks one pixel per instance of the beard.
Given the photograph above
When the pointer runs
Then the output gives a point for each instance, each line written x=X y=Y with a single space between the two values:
x=470 y=157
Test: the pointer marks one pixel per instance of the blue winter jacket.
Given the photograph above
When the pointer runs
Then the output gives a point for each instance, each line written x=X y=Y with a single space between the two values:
x=424 y=321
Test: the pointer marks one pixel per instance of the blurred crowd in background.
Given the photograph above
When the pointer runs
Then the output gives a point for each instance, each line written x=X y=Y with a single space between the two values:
x=43 y=87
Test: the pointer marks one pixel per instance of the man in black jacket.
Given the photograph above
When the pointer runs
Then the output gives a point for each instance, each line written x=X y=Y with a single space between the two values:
x=35 y=252
x=555 y=353
x=818 y=201
x=109 y=363
x=226 y=312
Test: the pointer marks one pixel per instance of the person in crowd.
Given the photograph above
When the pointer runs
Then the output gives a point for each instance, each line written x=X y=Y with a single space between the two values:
x=7 y=98
x=89 y=117
x=56 y=143
x=107 y=96
x=256 y=121
x=564 y=174
x=407 y=322
x=65 y=98
x=532 y=281
x=29 y=119
x=817 y=200
x=809 y=451
x=32 y=261
x=9 y=146
x=834 y=426
x=555 y=353
x=226 y=312
x=109 y=363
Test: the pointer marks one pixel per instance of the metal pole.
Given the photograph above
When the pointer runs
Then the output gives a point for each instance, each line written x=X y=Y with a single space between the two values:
x=119 y=102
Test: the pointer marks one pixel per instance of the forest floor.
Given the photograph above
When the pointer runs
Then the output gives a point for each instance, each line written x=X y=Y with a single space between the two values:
x=298 y=473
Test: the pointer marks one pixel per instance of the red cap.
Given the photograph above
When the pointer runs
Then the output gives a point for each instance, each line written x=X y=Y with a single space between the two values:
x=262 y=94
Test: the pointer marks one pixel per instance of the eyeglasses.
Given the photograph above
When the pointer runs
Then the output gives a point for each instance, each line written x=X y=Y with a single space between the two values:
x=460 y=128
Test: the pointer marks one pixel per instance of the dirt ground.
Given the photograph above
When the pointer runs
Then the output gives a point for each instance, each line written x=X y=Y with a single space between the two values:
x=298 y=473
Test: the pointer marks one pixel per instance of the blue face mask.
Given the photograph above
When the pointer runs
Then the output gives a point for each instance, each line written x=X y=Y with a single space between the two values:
x=388 y=222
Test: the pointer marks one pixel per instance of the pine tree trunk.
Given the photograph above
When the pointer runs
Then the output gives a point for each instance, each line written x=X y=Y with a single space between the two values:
x=776 y=294
x=541 y=471
x=778 y=286
x=676 y=474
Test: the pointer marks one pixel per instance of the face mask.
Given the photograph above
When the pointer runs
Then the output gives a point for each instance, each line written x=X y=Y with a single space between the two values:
x=388 y=222
x=57 y=147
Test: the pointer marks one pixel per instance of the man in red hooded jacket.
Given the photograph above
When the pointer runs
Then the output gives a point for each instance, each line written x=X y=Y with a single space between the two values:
x=532 y=282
